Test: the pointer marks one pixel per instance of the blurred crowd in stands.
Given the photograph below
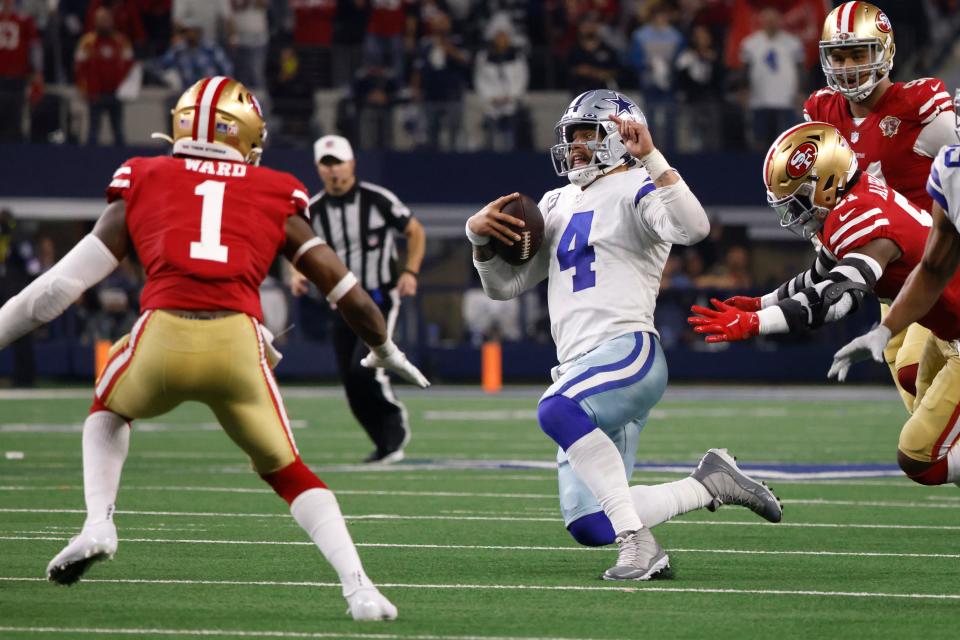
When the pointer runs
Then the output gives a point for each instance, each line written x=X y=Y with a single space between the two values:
x=730 y=71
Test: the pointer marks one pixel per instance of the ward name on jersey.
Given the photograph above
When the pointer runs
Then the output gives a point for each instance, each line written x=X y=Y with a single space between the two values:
x=873 y=210
x=206 y=231
x=888 y=142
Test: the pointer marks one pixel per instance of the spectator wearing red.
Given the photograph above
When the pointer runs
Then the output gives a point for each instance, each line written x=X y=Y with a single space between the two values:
x=127 y=18
x=103 y=59
x=21 y=62
x=313 y=38
x=391 y=33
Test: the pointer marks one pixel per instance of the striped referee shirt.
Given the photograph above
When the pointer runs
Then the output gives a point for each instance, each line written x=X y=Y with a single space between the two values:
x=357 y=226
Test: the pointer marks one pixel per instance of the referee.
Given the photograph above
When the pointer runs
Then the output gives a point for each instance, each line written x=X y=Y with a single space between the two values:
x=357 y=219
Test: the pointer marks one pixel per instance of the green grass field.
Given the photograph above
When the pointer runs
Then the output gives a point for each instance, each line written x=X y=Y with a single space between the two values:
x=465 y=536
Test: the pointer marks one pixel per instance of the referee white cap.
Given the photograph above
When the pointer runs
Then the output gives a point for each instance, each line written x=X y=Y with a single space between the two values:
x=336 y=146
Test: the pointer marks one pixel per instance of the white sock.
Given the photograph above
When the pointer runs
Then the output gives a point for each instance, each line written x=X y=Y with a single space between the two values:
x=657 y=503
x=106 y=440
x=953 y=463
x=317 y=511
x=596 y=461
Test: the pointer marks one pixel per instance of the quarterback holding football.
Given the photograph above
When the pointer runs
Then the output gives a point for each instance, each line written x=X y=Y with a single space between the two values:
x=607 y=235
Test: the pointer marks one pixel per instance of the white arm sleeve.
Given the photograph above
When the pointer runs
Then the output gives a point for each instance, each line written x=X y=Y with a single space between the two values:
x=938 y=133
x=503 y=281
x=49 y=295
x=675 y=215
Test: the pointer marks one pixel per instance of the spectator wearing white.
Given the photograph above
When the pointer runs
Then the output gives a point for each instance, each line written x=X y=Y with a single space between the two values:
x=249 y=45
x=774 y=60
x=213 y=17
x=500 y=76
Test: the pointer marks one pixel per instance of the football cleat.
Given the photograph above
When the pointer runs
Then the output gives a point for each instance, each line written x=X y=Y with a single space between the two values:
x=640 y=557
x=719 y=473
x=366 y=603
x=380 y=457
x=95 y=542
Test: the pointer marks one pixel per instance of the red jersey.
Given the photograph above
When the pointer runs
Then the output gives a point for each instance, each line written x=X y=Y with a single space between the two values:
x=102 y=62
x=313 y=22
x=17 y=35
x=206 y=231
x=388 y=18
x=884 y=141
x=873 y=210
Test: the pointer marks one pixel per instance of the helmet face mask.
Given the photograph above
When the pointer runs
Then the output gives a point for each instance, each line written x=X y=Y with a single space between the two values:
x=855 y=81
x=861 y=34
x=591 y=110
x=797 y=211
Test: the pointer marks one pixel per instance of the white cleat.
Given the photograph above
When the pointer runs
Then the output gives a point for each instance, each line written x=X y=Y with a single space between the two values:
x=95 y=542
x=366 y=603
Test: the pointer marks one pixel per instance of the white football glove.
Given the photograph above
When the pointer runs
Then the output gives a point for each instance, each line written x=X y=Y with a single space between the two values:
x=366 y=603
x=388 y=356
x=869 y=345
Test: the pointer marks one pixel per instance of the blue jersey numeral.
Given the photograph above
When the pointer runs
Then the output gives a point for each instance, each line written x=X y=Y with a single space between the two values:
x=952 y=157
x=574 y=251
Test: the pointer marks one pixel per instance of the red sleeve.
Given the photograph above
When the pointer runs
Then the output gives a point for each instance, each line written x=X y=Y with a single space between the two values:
x=122 y=181
x=299 y=198
x=810 y=107
x=928 y=98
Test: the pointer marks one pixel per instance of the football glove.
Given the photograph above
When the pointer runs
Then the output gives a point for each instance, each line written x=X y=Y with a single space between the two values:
x=869 y=345
x=388 y=356
x=724 y=323
x=744 y=303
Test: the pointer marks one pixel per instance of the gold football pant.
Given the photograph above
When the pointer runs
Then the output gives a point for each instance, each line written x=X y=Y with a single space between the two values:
x=933 y=426
x=167 y=360
x=902 y=355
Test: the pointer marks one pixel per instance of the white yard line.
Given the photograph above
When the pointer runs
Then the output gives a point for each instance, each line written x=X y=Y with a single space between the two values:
x=521 y=587
x=948 y=504
x=45 y=535
x=555 y=520
x=238 y=633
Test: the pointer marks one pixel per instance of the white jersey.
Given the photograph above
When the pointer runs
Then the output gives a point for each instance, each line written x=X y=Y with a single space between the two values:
x=943 y=185
x=604 y=248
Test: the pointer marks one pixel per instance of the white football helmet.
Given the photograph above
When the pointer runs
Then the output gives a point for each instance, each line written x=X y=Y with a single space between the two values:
x=593 y=108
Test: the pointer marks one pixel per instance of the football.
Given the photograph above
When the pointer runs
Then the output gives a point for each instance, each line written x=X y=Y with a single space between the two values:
x=531 y=234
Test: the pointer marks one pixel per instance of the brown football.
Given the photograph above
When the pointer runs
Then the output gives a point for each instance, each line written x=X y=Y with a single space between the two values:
x=531 y=234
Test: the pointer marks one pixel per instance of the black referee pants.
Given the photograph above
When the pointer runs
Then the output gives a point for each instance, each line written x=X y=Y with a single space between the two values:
x=369 y=391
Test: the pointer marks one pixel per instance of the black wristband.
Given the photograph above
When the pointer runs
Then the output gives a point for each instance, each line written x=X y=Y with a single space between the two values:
x=411 y=272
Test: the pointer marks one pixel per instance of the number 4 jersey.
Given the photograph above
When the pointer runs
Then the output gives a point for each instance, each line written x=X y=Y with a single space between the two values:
x=872 y=210
x=206 y=231
x=606 y=258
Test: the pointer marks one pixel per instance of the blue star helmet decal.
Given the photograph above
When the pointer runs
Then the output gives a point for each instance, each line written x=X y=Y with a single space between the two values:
x=622 y=104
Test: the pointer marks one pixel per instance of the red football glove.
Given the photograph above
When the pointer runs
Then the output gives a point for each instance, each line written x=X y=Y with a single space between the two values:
x=744 y=303
x=724 y=323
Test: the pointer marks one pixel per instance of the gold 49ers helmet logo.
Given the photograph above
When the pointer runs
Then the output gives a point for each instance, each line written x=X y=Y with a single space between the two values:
x=802 y=160
x=883 y=22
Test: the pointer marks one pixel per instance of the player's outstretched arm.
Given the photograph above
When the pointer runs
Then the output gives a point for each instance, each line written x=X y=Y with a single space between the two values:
x=312 y=257
x=839 y=293
x=90 y=261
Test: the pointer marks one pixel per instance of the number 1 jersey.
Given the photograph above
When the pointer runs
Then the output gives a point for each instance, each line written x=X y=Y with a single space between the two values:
x=206 y=231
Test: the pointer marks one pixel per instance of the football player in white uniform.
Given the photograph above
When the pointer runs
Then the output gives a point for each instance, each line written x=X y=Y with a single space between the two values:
x=607 y=236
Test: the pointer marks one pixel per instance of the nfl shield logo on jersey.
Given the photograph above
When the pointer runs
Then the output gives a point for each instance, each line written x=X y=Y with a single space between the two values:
x=889 y=126
x=855 y=137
